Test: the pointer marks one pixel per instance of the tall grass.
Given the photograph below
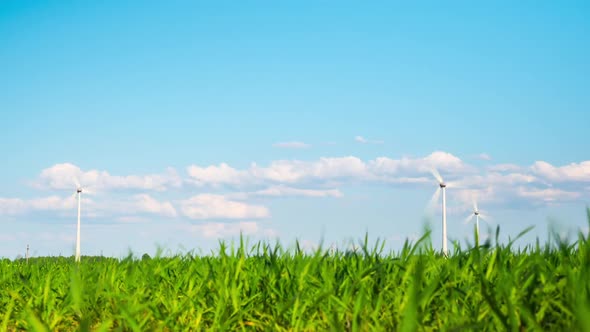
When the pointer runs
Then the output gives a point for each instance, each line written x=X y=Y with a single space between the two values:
x=492 y=287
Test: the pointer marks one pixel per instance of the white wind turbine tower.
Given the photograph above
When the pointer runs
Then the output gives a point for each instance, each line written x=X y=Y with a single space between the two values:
x=78 y=195
x=478 y=215
x=441 y=188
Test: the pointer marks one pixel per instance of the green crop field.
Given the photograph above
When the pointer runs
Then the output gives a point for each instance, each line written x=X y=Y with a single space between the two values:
x=263 y=287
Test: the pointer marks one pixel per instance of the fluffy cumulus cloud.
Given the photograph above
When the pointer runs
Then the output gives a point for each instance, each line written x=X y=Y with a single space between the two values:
x=215 y=230
x=569 y=173
x=513 y=190
x=17 y=206
x=147 y=204
x=66 y=176
x=286 y=191
x=283 y=171
x=226 y=193
x=547 y=194
x=141 y=204
x=505 y=168
x=133 y=208
x=493 y=179
x=289 y=172
x=216 y=175
x=286 y=171
x=52 y=203
x=517 y=186
x=210 y=206
x=501 y=183
x=278 y=191
x=408 y=167
x=279 y=171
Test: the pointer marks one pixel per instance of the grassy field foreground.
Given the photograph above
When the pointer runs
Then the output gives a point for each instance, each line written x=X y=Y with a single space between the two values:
x=488 y=287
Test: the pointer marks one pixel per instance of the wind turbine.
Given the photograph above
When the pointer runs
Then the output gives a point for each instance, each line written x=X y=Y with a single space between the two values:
x=78 y=195
x=441 y=188
x=478 y=215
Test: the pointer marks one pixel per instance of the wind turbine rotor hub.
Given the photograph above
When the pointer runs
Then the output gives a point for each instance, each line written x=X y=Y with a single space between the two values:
x=442 y=185
x=79 y=190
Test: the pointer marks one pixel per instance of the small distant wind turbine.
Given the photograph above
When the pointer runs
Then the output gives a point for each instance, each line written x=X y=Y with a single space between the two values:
x=478 y=215
x=78 y=195
x=441 y=187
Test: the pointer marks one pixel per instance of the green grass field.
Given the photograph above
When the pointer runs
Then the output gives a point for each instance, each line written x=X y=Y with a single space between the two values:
x=263 y=287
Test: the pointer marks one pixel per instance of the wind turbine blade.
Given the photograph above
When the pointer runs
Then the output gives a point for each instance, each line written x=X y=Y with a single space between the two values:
x=475 y=204
x=436 y=175
x=434 y=199
x=468 y=219
x=76 y=182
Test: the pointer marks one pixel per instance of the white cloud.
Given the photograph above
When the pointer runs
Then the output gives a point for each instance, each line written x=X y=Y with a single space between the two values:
x=326 y=169
x=496 y=188
x=129 y=209
x=12 y=206
x=510 y=179
x=216 y=230
x=445 y=161
x=137 y=204
x=505 y=168
x=362 y=140
x=484 y=156
x=64 y=177
x=52 y=203
x=509 y=184
x=548 y=194
x=216 y=175
x=284 y=191
x=340 y=167
x=17 y=206
x=512 y=190
x=406 y=166
x=147 y=204
x=287 y=171
x=497 y=179
x=291 y=145
x=279 y=171
x=288 y=191
x=568 y=173
x=209 y=206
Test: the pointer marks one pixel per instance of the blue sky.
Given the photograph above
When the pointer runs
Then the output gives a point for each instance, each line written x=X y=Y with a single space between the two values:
x=195 y=120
